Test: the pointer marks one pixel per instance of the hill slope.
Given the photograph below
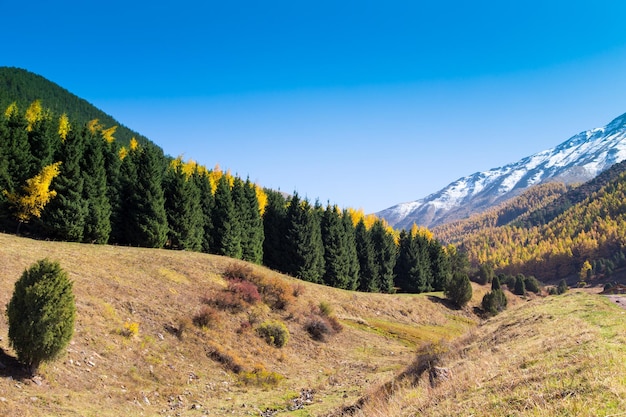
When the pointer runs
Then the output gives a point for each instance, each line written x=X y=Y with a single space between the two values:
x=171 y=367
x=24 y=87
x=576 y=160
x=555 y=356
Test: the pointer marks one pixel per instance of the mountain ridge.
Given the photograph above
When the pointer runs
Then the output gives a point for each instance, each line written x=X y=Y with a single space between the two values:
x=576 y=160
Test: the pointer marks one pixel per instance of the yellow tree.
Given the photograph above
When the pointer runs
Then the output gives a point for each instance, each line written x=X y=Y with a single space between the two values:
x=64 y=126
x=36 y=195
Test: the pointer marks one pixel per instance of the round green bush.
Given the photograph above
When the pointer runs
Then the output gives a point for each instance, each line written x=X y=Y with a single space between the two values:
x=275 y=333
x=41 y=314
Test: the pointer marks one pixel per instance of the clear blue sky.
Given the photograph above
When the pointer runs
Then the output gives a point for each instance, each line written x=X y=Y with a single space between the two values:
x=361 y=103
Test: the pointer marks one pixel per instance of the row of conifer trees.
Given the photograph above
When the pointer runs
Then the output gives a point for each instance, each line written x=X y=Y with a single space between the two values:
x=76 y=183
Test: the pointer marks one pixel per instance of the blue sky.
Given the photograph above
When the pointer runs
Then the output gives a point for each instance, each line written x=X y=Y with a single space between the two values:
x=364 y=104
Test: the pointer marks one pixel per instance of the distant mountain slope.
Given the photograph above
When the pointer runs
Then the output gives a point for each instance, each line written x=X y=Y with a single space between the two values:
x=578 y=159
x=24 y=87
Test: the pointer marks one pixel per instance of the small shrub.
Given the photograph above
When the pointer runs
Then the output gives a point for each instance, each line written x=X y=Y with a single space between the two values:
x=207 y=317
x=318 y=328
x=244 y=327
x=275 y=333
x=562 y=288
x=325 y=308
x=239 y=271
x=131 y=329
x=494 y=302
x=245 y=290
x=230 y=361
x=298 y=290
x=532 y=284
x=184 y=324
x=260 y=377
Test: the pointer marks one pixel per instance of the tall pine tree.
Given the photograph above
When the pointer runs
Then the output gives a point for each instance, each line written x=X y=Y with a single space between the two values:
x=226 y=227
x=368 y=269
x=182 y=205
x=65 y=216
x=275 y=231
x=147 y=220
x=98 y=218
x=385 y=252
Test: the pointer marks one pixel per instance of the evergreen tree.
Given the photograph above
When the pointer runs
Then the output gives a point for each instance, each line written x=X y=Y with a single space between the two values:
x=98 y=216
x=385 y=252
x=147 y=225
x=440 y=265
x=336 y=261
x=66 y=216
x=41 y=314
x=113 y=166
x=352 y=256
x=520 y=285
x=21 y=165
x=42 y=135
x=562 y=288
x=182 y=206
x=368 y=269
x=304 y=257
x=207 y=204
x=275 y=231
x=226 y=228
x=412 y=269
x=459 y=289
x=252 y=225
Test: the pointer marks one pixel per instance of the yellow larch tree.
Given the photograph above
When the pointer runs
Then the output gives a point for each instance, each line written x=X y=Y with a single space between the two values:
x=64 y=127
x=107 y=134
x=36 y=194
x=34 y=113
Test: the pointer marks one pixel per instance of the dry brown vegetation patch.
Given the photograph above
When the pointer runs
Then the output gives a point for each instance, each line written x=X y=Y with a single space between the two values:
x=136 y=350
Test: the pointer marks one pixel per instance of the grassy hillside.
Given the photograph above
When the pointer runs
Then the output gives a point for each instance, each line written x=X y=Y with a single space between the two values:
x=556 y=356
x=170 y=366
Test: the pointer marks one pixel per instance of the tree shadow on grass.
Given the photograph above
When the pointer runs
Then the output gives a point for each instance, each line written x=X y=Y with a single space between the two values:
x=10 y=367
x=443 y=301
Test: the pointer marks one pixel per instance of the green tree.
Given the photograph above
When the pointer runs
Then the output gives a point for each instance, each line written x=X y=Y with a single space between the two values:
x=182 y=206
x=351 y=252
x=41 y=314
x=252 y=234
x=562 y=288
x=440 y=265
x=520 y=285
x=226 y=227
x=275 y=231
x=66 y=215
x=336 y=257
x=95 y=192
x=459 y=289
x=368 y=269
x=304 y=255
x=385 y=253
x=207 y=204
x=147 y=220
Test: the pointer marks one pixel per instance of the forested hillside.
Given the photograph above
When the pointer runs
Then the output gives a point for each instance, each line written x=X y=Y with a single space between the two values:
x=23 y=87
x=63 y=179
x=578 y=235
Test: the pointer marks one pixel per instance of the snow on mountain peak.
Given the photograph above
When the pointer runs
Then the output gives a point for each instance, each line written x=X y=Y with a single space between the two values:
x=578 y=159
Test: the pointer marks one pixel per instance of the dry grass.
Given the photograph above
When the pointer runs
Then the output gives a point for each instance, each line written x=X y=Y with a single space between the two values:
x=136 y=351
x=557 y=356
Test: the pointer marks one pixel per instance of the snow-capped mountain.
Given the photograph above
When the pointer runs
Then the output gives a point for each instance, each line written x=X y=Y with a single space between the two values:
x=579 y=159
